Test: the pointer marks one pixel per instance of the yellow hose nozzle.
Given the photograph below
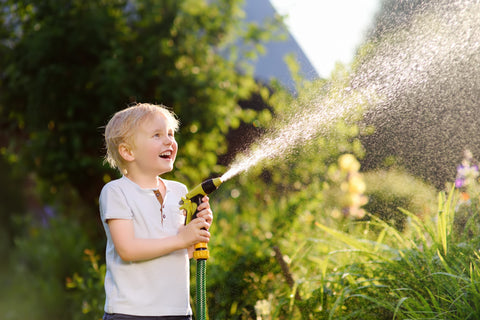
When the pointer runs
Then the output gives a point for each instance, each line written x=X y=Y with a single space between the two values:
x=194 y=197
x=190 y=204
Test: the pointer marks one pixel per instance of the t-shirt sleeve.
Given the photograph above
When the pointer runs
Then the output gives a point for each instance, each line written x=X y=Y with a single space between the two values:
x=113 y=204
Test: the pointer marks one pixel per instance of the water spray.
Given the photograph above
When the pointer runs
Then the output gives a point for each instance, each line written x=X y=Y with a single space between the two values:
x=190 y=204
x=417 y=85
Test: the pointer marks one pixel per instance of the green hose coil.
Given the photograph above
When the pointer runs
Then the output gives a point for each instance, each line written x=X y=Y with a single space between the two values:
x=201 y=290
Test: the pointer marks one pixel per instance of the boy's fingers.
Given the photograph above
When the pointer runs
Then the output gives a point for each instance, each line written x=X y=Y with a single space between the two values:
x=202 y=223
x=204 y=205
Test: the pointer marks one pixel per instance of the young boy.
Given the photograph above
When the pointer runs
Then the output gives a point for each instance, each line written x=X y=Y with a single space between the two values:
x=148 y=245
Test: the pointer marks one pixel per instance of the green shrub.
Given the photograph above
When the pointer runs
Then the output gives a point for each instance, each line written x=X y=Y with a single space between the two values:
x=42 y=260
x=424 y=272
x=389 y=190
x=89 y=292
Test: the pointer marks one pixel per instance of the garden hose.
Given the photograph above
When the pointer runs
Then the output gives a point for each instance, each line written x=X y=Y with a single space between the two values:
x=190 y=203
x=201 y=313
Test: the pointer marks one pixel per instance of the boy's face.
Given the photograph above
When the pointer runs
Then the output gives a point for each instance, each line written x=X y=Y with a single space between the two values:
x=155 y=147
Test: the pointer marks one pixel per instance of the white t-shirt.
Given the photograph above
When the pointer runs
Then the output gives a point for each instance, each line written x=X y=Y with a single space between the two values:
x=155 y=287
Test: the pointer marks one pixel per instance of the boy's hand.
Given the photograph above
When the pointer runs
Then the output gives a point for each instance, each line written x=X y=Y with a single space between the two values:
x=205 y=212
x=197 y=230
x=194 y=232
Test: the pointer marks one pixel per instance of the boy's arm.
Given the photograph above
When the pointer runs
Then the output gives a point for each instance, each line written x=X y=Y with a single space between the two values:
x=130 y=248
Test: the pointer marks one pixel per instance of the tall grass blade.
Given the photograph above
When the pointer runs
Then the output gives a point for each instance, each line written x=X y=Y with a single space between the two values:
x=397 y=307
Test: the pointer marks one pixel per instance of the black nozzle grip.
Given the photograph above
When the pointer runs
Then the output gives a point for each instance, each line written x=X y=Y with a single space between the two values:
x=198 y=200
x=208 y=186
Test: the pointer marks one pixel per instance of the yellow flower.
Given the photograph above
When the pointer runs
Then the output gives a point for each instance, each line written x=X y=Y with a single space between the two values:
x=348 y=162
x=356 y=184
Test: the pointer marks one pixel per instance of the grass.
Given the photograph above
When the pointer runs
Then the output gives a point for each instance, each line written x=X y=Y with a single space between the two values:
x=377 y=272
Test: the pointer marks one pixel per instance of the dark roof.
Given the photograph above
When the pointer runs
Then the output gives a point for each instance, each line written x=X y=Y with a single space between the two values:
x=272 y=64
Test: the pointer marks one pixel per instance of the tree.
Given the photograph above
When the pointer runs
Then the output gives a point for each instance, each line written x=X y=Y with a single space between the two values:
x=67 y=66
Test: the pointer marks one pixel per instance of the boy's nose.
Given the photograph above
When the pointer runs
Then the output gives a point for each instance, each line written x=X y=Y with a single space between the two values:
x=169 y=140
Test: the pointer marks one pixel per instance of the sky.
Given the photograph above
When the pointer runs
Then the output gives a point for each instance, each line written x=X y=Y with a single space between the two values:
x=328 y=31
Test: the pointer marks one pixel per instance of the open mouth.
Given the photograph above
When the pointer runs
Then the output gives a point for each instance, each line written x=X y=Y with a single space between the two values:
x=166 y=155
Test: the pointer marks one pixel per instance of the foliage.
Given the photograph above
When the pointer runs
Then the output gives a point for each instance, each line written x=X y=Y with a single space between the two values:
x=374 y=271
x=12 y=200
x=389 y=190
x=46 y=253
x=437 y=277
x=90 y=286
x=467 y=218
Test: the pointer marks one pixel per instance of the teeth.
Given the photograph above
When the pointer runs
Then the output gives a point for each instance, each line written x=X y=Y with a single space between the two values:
x=166 y=154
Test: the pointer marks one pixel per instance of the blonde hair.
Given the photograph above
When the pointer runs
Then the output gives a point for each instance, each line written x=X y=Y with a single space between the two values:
x=123 y=124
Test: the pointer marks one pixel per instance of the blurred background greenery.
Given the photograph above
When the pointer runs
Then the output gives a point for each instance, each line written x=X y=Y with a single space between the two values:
x=295 y=238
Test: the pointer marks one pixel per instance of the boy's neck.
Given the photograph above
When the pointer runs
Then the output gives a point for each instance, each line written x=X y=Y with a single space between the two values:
x=145 y=182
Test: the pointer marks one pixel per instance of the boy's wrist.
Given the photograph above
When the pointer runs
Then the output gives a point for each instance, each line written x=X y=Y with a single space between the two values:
x=182 y=243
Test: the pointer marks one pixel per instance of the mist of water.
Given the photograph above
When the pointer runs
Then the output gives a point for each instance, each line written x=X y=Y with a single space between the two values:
x=306 y=123
x=422 y=60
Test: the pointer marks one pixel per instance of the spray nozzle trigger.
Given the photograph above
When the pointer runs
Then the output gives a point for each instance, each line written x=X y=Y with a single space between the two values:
x=189 y=207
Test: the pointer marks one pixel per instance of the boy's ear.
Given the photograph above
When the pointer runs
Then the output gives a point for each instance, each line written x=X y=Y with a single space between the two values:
x=125 y=151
